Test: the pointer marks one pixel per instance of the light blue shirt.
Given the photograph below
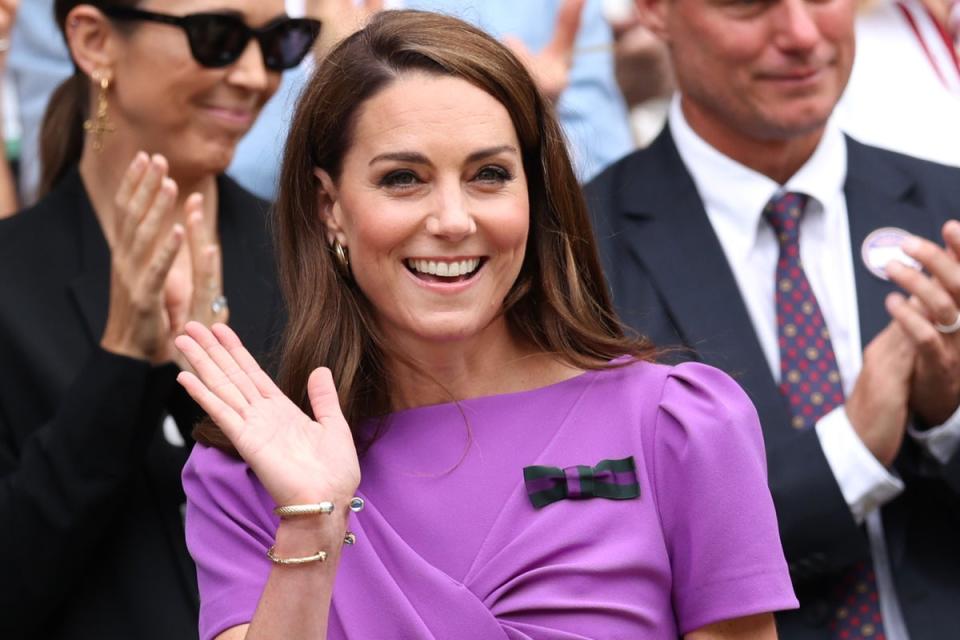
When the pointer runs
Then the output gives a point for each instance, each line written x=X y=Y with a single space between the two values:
x=37 y=64
x=591 y=109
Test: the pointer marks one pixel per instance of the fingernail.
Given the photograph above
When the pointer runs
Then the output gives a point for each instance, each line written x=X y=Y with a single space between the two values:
x=140 y=160
x=911 y=244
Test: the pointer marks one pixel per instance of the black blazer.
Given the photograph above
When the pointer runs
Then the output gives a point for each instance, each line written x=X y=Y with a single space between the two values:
x=91 y=531
x=671 y=281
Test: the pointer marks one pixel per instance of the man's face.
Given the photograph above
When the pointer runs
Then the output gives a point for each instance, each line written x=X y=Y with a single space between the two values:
x=764 y=69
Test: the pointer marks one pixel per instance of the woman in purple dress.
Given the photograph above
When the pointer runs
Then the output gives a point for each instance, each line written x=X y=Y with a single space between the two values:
x=528 y=471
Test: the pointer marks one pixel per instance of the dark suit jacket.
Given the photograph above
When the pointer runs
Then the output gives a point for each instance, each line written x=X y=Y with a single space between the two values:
x=671 y=281
x=91 y=532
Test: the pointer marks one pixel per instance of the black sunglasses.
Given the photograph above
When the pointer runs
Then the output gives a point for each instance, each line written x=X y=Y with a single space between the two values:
x=219 y=39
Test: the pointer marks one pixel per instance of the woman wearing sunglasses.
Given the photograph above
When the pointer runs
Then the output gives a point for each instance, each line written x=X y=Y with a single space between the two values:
x=138 y=232
x=528 y=471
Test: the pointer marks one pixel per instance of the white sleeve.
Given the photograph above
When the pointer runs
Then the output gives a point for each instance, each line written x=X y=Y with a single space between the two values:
x=940 y=442
x=865 y=483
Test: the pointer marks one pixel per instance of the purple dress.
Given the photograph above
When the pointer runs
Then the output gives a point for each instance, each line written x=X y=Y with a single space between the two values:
x=451 y=546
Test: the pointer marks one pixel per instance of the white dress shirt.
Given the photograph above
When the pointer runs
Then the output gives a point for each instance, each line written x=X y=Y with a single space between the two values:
x=734 y=197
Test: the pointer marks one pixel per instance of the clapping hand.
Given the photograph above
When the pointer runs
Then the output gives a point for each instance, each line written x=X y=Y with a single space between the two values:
x=929 y=318
x=550 y=67
x=202 y=301
x=150 y=301
x=144 y=245
x=8 y=14
x=298 y=459
x=340 y=19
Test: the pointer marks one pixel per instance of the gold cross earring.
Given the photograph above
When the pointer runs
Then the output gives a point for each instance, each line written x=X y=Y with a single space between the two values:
x=100 y=124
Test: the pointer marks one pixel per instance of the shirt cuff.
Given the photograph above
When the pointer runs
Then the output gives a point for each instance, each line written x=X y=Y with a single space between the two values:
x=864 y=482
x=940 y=442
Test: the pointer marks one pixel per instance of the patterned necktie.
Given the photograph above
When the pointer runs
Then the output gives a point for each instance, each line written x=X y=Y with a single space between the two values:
x=810 y=382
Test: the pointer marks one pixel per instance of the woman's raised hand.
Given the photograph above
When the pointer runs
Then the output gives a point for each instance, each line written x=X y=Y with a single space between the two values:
x=145 y=243
x=298 y=459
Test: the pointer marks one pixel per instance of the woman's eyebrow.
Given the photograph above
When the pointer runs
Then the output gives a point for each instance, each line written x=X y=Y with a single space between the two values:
x=401 y=156
x=419 y=158
x=491 y=151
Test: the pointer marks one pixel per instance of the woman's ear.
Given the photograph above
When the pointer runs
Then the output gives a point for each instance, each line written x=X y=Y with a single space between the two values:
x=328 y=205
x=91 y=39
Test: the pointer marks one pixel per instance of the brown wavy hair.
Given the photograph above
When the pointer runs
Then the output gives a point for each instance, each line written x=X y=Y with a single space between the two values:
x=559 y=302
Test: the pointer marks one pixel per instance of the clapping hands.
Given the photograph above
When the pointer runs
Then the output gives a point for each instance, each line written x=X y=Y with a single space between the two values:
x=150 y=303
x=926 y=319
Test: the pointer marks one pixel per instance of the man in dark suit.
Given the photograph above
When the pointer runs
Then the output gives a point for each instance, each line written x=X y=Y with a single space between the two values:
x=758 y=235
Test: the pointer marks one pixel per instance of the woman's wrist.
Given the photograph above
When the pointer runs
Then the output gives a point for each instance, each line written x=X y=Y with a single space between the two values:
x=306 y=536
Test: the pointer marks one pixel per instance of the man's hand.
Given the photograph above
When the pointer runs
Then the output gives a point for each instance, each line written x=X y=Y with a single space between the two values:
x=935 y=300
x=878 y=405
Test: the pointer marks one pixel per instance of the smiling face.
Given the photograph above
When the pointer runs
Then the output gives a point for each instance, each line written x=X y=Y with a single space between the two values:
x=766 y=69
x=432 y=205
x=192 y=114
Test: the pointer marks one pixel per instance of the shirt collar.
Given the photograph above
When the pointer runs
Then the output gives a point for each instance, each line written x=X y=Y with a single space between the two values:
x=738 y=193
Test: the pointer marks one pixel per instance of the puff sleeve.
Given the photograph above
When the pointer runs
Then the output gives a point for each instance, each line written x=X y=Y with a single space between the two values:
x=716 y=511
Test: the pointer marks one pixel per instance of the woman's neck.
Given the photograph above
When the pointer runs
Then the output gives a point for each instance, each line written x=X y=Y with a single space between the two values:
x=491 y=363
x=103 y=171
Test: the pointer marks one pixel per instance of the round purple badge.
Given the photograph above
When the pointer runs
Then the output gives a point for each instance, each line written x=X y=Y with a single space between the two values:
x=882 y=246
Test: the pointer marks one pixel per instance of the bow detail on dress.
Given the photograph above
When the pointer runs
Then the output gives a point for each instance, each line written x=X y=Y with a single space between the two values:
x=611 y=479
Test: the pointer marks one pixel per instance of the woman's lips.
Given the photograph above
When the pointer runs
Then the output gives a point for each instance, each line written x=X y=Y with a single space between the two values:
x=444 y=271
x=232 y=117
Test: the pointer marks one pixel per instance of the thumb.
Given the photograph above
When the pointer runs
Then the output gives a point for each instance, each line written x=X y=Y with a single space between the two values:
x=565 y=29
x=323 y=397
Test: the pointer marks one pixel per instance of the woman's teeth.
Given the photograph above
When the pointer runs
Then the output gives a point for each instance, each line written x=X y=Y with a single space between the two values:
x=444 y=269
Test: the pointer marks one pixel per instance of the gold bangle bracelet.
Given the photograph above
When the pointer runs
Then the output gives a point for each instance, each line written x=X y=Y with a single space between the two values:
x=294 y=510
x=319 y=556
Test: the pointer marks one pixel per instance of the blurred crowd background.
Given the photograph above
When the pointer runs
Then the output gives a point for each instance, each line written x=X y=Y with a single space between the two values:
x=610 y=75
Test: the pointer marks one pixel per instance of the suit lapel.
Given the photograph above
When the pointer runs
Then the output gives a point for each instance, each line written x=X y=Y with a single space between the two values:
x=91 y=287
x=877 y=196
x=669 y=232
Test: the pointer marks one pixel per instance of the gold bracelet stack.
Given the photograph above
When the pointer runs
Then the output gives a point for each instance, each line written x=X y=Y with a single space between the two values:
x=320 y=508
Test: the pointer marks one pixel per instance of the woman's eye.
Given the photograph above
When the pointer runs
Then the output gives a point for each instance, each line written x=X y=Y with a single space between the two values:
x=400 y=179
x=493 y=174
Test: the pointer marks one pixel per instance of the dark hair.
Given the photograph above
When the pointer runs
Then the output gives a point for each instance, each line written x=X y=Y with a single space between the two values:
x=559 y=301
x=61 y=134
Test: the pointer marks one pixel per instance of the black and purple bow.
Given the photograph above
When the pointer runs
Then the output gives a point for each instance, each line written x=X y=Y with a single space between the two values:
x=611 y=479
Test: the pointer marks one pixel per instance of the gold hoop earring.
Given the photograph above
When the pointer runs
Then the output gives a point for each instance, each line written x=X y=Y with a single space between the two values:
x=343 y=258
x=100 y=124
